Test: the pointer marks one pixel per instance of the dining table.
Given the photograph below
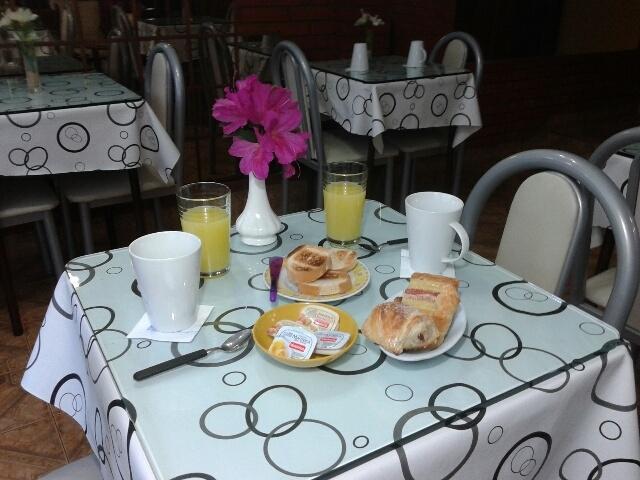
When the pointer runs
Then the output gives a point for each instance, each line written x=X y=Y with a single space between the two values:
x=58 y=63
x=534 y=388
x=81 y=122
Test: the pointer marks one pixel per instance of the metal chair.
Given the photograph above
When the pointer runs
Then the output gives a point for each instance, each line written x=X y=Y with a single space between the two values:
x=86 y=468
x=217 y=72
x=543 y=222
x=120 y=20
x=597 y=289
x=25 y=201
x=596 y=183
x=165 y=93
x=290 y=68
x=435 y=141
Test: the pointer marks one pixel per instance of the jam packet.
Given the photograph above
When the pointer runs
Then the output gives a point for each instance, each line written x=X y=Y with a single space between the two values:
x=318 y=318
x=330 y=342
x=293 y=342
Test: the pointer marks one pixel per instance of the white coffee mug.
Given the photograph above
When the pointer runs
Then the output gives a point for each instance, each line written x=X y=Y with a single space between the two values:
x=417 y=54
x=432 y=222
x=167 y=266
x=359 y=58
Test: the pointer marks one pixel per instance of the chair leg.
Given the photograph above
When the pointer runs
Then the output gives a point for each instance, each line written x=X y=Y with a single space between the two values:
x=458 y=156
x=42 y=245
x=388 y=183
x=68 y=230
x=406 y=175
x=111 y=228
x=85 y=222
x=9 y=292
x=54 y=244
x=157 y=214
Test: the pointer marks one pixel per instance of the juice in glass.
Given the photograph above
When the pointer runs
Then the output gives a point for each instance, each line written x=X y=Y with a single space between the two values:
x=211 y=225
x=344 y=189
x=205 y=211
x=343 y=204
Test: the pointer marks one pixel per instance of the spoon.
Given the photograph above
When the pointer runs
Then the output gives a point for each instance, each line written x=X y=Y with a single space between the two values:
x=231 y=344
x=371 y=248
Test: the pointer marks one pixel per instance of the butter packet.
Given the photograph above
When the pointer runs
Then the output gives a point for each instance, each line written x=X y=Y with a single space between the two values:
x=293 y=342
x=330 y=342
x=318 y=318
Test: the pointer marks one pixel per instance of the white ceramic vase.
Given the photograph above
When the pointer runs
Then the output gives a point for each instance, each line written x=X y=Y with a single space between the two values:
x=257 y=225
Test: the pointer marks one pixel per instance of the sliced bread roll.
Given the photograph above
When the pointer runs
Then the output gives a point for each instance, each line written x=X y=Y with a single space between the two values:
x=342 y=259
x=307 y=263
x=332 y=283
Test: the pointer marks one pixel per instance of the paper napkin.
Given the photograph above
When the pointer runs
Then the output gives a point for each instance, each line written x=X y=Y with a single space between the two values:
x=406 y=271
x=143 y=328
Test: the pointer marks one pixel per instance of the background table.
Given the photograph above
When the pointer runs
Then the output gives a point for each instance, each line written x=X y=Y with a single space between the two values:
x=79 y=122
x=46 y=64
x=544 y=387
x=387 y=97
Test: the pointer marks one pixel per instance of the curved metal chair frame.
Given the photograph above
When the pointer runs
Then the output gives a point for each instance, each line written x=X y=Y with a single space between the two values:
x=599 y=185
x=471 y=44
x=307 y=97
x=175 y=99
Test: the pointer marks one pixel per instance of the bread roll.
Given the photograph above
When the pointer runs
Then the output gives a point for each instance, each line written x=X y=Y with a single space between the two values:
x=342 y=259
x=307 y=263
x=331 y=283
x=436 y=295
x=398 y=328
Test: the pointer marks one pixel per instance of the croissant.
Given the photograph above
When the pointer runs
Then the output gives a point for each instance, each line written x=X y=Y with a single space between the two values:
x=397 y=328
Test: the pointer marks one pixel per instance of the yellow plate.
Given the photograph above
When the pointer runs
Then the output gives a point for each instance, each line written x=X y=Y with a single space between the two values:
x=359 y=280
x=291 y=312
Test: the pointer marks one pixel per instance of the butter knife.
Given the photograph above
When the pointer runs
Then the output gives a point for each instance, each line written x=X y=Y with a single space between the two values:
x=275 y=265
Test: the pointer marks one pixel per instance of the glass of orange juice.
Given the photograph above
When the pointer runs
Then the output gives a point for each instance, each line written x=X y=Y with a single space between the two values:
x=344 y=190
x=205 y=211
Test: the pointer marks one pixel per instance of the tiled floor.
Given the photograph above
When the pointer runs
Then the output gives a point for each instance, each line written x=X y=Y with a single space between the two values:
x=35 y=438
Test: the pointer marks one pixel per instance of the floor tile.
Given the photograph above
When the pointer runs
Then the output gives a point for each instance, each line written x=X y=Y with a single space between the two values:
x=13 y=350
x=73 y=440
x=17 y=407
x=30 y=450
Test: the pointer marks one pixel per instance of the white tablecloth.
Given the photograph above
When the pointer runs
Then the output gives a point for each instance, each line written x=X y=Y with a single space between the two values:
x=617 y=169
x=57 y=137
x=579 y=424
x=373 y=108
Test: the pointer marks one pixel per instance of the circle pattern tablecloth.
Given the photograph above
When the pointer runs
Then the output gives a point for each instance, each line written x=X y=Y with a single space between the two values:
x=78 y=123
x=536 y=388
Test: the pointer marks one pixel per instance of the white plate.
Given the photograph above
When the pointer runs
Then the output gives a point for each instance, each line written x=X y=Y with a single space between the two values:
x=360 y=277
x=458 y=326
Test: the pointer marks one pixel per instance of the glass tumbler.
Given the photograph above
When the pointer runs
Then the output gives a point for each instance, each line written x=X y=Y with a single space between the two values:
x=205 y=211
x=344 y=190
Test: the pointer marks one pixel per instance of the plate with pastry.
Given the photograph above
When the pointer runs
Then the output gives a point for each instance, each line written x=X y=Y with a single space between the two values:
x=316 y=274
x=424 y=321
x=305 y=335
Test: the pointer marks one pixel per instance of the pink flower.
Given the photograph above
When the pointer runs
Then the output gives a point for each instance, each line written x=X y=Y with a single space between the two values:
x=274 y=116
x=286 y=145
x=254 y=157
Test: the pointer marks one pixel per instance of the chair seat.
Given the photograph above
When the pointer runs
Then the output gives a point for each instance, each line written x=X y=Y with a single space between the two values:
x=599 y=287
x=419 y=141
x=23 y=196
x=342 y=146
x=100 y=187
x=86 y=468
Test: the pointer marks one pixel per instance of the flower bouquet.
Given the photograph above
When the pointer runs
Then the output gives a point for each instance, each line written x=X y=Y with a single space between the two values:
x=368 y=22
x=265 y=120
x=21 y=23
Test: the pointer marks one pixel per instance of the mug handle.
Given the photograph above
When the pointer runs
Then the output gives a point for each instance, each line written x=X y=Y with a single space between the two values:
x=424 y=56
x=464 y=240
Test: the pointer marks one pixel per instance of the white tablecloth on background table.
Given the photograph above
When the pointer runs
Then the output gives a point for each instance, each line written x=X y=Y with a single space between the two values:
x=58 y=137
x=146 y=29
x=617 y=169
x=578 y=421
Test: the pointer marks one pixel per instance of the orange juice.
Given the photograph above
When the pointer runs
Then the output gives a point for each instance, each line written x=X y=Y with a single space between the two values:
x=211 y=226
x=343 y=206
